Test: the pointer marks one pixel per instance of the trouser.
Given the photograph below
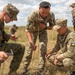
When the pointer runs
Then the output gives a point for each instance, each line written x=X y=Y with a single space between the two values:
x=18 y=52
x=42 y=51
x=67 y=63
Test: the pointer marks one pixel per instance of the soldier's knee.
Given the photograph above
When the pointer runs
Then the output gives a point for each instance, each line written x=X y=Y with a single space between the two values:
x=67 y=62
x=21 y=48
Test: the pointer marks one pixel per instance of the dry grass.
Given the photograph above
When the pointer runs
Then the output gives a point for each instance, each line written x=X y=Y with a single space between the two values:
x=51 y=70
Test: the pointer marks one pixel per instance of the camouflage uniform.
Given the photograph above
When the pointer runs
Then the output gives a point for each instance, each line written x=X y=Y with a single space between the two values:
x=73 y=14
x=33 y=27
x=66 y=45
x=18 y=49
x=13 y=29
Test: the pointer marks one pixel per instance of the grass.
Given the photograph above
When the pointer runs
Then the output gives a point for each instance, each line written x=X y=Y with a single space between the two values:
x=22 y=39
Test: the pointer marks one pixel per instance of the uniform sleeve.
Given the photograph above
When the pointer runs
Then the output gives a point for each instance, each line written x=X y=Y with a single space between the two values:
x=6 y=36
x=52 y=21
x=31 y=21
x=70 y=53
x=57 y=46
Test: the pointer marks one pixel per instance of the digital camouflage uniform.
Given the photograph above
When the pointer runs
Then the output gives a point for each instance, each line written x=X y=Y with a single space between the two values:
x=66 y=45
x=33 y=27
x=73 y=14
x=13 y=29
x=17 y=49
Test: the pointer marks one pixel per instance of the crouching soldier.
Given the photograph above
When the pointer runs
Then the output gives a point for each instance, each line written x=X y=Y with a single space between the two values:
x=66 y=44
x=9 y=14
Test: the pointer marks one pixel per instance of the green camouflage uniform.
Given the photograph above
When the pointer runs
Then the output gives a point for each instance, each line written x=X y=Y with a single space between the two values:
x=33 y=27
x=66 y=45
x=17 y=49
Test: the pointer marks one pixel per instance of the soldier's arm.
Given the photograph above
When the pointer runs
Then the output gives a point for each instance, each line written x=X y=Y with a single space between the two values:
x=70 y=53
x=52 y=22
x=50 y=27
x=29 y=36
x=30 y=28
x=56 y=47
x=54 y=50
x=31 y=20
x=30 y=25
x=6 y=36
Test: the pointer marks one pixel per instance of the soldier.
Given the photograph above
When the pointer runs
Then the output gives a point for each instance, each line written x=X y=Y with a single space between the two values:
x=9 y=14
x=73 y=14
x=37 y=28
x=66 y=44
x=13 y=29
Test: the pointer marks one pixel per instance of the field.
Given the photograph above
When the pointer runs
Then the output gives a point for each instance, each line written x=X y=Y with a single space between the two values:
x=22 y=39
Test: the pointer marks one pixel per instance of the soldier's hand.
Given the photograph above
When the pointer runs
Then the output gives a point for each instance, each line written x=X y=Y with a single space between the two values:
x=55 y=61
x=42 y=26
x=13 y=37
x=33 y=46
x=57 y=58
x=3 y=56
x=47 y=55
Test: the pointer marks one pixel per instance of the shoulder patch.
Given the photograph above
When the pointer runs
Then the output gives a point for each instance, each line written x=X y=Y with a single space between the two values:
x=73 y=44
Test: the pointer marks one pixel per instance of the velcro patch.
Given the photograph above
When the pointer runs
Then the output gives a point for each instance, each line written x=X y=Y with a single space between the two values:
x=73 y=44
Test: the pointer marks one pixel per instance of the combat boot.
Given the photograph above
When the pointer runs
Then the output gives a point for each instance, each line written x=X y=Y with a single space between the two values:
x=12 y=73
